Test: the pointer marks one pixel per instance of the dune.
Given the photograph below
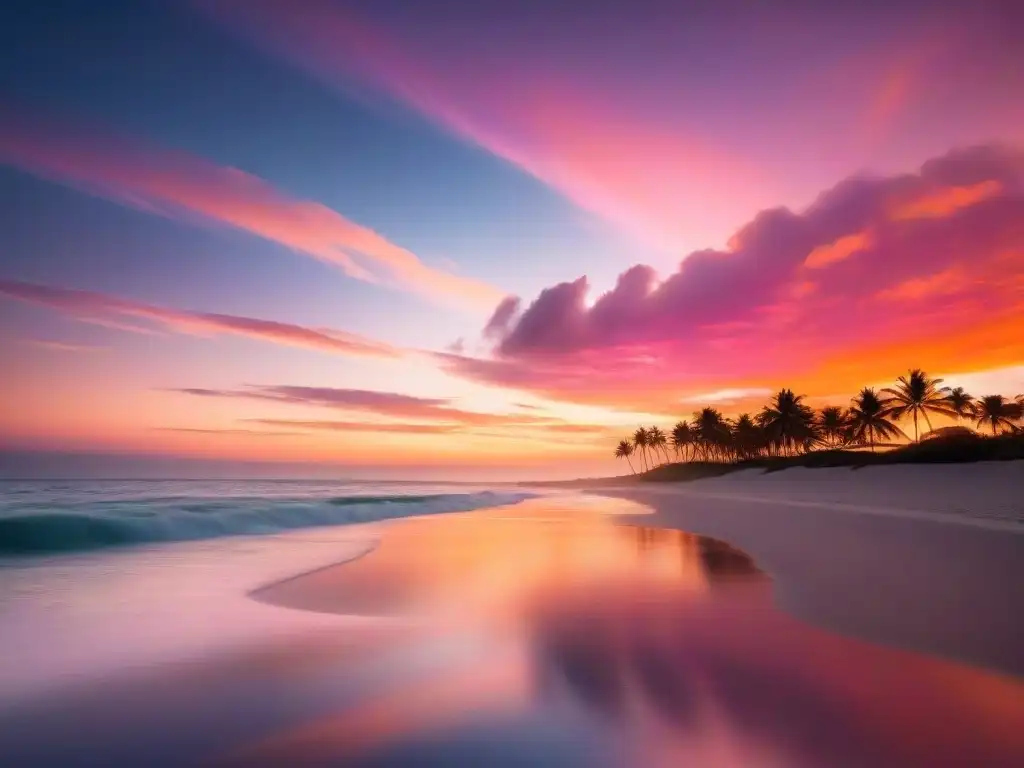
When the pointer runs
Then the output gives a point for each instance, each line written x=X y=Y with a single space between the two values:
x=923 y=557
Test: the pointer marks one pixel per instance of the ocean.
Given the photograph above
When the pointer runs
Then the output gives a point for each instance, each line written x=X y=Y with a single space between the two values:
x=97 y=575
x=40 y=517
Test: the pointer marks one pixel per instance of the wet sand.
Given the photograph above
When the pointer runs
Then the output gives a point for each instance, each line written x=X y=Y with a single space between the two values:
x=555 y=632
x=927 y=558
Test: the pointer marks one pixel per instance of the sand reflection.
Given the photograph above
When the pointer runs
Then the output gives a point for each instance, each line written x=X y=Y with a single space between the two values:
x=489 y=566
x=551 y=636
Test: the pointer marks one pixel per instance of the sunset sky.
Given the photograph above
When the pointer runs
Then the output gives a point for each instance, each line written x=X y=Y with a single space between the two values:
x=465 y=239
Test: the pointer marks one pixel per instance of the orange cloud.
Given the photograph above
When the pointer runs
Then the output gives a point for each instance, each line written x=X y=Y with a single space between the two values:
x=837 y=250
x=174 y=184
x=941 y=283
x=89 y=306
x=944 y=202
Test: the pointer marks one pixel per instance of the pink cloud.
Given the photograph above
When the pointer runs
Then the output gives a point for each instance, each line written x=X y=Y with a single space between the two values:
x=389 y=404
x=765 y=313
x=60 y=346
x=503 y=314
x=841 y=249
x=93 y=307
x=226 y=432
x=361 y=426
x=176 y=184
x=651 y=175
x=670 y=122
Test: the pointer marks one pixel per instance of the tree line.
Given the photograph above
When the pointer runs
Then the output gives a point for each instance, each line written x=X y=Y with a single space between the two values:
x=787 y=426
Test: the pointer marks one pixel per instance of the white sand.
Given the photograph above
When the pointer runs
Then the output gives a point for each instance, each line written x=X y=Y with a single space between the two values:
x=925 y=557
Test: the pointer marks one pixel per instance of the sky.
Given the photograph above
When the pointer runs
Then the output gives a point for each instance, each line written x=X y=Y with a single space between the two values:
x=485 y=240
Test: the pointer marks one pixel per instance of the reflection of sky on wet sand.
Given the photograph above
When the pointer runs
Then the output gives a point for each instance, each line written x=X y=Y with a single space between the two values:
x=608 y=644
x=544 y=635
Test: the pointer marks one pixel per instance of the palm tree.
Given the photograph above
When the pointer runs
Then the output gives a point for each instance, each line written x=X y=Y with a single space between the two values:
x=917 y=394
x=747 y=437
x=997 y=412
x=960 y=403
x=656 y=439
x=832 y=425
x=788 y=423
x=623 y=451
x=640 y=443
x=869 y=419
x=682 y=438
x=713 y=434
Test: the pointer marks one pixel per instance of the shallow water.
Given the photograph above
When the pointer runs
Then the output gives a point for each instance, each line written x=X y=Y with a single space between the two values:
x=539 y=634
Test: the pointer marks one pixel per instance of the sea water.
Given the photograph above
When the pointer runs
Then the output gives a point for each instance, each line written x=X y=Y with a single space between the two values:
x=39 y=517
x=97 y=576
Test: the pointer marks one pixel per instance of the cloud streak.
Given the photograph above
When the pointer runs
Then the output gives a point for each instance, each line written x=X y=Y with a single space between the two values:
x=226 y=432
x=389 y=404
x=361 y=426
x=830 y=296
x=178 y=185
x=99 y=307
x=635 y=167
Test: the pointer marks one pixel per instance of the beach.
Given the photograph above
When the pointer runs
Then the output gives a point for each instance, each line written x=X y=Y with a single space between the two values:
x=924 y=557
x=563 y=629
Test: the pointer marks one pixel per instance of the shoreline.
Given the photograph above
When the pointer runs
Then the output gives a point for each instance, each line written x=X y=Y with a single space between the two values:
x=904 y=577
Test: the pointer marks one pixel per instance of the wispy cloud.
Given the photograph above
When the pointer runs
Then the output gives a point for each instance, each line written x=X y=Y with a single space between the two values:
x=361 y=426
x=176 y=184
x=89 y=306
x=727 y=395
x=649 y=174
x=903 y=78
x=512 y=430
x=60 y=346
x=226 y=431
x=389 y=404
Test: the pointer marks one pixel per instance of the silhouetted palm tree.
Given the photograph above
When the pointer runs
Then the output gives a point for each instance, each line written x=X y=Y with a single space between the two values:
x=917 y=394
x=656 y=440
x=832 y=425
x=869 y=419
x=960 y=403
x=682 y=438
x=996 y=412
x=623 y=451
x=640 y=444
x=747 y=437
x=713 y=434
x=787 y=422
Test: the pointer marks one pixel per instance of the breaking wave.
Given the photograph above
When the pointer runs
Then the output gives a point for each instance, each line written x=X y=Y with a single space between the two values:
x=98 y=524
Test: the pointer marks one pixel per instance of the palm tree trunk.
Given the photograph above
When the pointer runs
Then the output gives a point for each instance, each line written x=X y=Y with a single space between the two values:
x=630 y=465
x=915 y=427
